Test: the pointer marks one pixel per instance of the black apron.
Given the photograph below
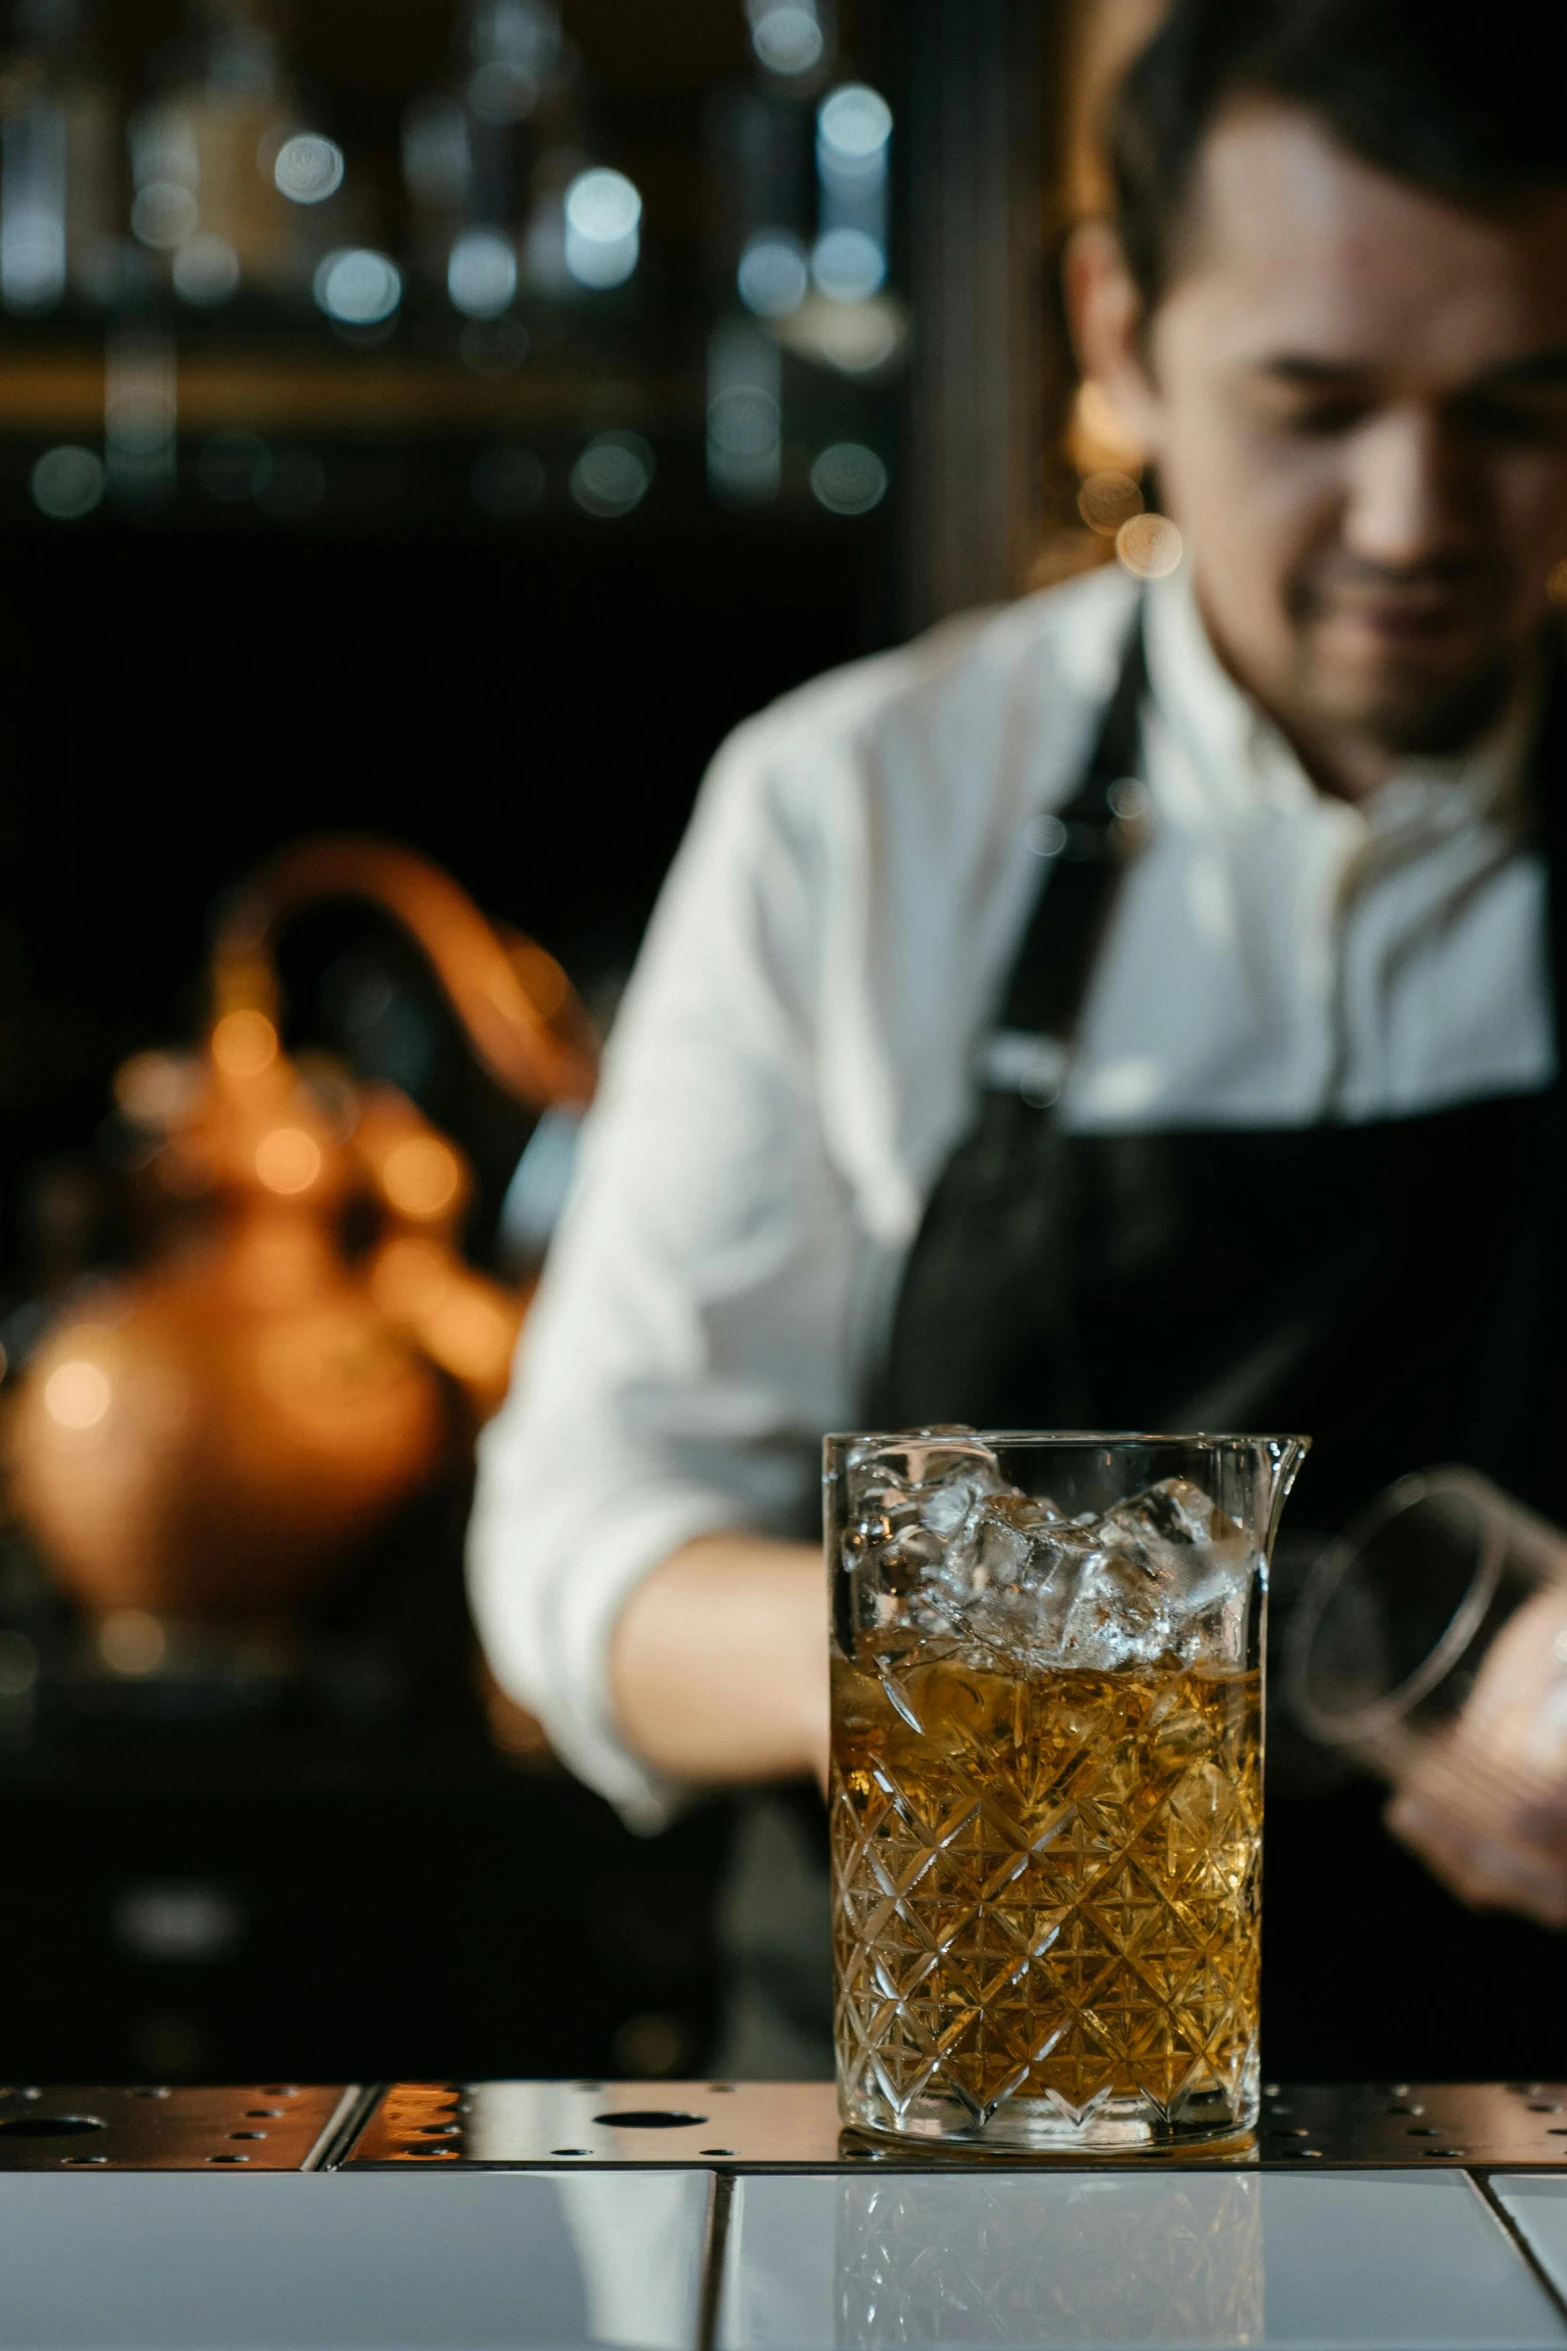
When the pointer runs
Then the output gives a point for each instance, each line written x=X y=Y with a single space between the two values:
x=1395 y=1290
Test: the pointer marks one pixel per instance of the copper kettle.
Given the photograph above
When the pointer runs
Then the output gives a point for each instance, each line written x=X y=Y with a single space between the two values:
x=216 y=1433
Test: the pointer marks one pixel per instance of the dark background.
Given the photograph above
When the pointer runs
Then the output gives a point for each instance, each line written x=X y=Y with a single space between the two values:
x=333 y=1870
x=535 y=715
x=389 y=1896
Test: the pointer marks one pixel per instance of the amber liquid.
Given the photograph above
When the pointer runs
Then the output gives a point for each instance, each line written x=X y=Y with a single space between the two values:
x=1046 y=1899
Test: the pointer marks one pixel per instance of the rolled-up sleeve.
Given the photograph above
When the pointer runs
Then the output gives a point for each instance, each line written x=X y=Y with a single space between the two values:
x=691 y=1338
x=791 y=1064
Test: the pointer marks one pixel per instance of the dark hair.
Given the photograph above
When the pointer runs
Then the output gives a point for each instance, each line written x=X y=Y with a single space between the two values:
x=1466 y=100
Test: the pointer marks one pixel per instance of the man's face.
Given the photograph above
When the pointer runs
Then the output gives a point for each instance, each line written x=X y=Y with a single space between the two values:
x=1356 y=398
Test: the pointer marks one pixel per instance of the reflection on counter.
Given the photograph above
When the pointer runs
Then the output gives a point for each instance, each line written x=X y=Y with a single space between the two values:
x=976 y=2265
x=1175 y=2258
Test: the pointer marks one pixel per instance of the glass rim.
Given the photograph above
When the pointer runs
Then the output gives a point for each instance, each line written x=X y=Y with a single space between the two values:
x=1044 y=1439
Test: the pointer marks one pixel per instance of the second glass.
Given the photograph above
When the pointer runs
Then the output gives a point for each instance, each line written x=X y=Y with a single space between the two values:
x=1046 y=1783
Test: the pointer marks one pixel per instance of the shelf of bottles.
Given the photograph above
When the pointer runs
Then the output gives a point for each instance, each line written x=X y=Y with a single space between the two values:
x=520 y=259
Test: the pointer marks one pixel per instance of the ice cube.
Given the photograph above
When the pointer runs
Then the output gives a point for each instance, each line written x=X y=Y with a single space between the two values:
x=945 y=1509
x=998 y=1551
x=1011 y=1569
x=996 y=1541
x=1174 y=1511
x=1170 y=1578
x=1121 y=1607
x=932 y=1468
x=954 y=1553
x=913 y=1497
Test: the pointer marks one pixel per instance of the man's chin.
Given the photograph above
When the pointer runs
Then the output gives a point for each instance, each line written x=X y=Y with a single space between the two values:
x=1410 y=703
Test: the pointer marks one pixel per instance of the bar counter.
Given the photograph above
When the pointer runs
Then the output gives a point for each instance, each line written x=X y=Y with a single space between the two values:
x=707 y=2216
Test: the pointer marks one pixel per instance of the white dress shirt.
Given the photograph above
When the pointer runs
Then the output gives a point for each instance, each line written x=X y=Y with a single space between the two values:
x=797 y=1053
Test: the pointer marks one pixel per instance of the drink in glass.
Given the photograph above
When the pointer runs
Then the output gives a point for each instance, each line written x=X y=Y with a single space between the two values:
x=1046 y=1792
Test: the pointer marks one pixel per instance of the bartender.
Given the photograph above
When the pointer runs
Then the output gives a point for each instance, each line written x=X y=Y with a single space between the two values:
x=1136 y=1008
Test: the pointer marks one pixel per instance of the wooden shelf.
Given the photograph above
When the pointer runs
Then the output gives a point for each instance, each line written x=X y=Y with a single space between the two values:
x=59 y=393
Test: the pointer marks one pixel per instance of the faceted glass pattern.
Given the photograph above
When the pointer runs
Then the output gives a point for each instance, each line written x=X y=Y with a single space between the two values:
x=1047 y=1903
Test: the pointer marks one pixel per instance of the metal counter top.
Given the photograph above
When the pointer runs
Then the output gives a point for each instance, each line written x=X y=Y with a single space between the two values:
x=275 y=2126
x=705 y=2216
x=784 y=2126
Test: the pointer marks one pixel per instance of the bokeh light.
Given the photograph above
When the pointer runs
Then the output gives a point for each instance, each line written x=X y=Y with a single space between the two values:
x=163 y=214
x=308 y=168
x=358 y=287
x=774 y=276
x=613 y=474
x=155 y=1090
x=481 y=273
x=34 y=210
x=502 y=93
x=848 y=478
x=744 y=414
x=603 y=205
x=77 y=1393
x=132 y=1642
x=743 y=422
x=603 y=228
x=244 y=1043
x=67 y=482
x=1045 y=834
x=854 y=124
x=421 y=1176
x=1130 y=801
x=1108 y=499
x=205 y=271
x=849 y=265
x=288 y=1161
x=1149 y=546
x=787 y=36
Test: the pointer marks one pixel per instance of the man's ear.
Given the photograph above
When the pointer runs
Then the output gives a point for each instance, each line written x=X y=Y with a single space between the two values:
x=1105 y=313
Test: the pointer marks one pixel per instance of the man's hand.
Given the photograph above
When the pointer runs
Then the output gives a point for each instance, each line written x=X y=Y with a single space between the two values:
x=718 y=1667
x=1485 y=1803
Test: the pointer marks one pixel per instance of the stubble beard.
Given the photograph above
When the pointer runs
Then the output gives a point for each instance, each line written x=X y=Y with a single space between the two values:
x=1405 y=713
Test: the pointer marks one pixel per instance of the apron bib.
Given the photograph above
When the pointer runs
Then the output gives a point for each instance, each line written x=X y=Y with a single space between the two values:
x=1397 y=1290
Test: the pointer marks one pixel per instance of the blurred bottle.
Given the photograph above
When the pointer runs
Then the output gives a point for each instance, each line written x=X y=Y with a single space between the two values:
x=203 y=152
x=482 y=159
x=57 y=163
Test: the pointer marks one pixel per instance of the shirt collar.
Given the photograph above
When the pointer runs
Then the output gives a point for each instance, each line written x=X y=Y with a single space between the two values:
x=1236 y=758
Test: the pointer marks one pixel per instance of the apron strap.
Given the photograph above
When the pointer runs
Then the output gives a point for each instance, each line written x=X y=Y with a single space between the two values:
x=1086 y=848
x=983 y=1275
x=1518 y=1404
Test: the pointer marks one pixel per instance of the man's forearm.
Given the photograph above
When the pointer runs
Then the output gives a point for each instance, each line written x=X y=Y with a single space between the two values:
x=718 y=1667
